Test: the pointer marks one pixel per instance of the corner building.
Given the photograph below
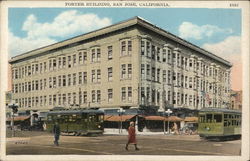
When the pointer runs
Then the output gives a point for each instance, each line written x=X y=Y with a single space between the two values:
x=129 y=64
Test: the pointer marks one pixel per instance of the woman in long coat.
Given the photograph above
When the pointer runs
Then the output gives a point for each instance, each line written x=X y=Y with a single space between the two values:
x=131 y=136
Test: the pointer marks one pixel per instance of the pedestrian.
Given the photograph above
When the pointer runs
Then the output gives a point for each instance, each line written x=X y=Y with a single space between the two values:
x=131 y=136
x=56 y=131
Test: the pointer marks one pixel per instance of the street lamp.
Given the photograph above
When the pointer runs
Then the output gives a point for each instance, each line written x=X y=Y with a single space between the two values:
x=168 y=112
x=120 y=111
x=14 y=108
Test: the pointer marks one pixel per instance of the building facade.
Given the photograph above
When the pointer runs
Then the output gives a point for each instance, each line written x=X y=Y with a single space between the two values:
x=236 y=100
x=129 y=64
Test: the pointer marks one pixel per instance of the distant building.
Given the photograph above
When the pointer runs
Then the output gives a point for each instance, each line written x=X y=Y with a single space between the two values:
x=129 y=64
x=236 y=100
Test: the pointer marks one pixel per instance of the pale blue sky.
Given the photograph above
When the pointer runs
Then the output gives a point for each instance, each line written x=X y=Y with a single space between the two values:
x=167 y=18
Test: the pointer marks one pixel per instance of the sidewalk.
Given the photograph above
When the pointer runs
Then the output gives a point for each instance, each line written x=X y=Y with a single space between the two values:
x=149 y=133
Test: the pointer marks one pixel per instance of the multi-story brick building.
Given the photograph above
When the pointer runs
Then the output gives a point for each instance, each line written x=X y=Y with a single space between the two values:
x=129 y=64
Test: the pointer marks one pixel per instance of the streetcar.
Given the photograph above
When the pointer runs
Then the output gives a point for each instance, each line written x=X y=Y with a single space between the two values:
x=76 y=122
x=219 y=124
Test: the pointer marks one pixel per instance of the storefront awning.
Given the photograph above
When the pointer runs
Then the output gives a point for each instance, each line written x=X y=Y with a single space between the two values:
x=117 y=118
x=174 y=119
x=191 y=119
x=154 y=118
x=18 y=118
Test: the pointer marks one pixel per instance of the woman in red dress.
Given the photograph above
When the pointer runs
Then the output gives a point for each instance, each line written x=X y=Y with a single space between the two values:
x=131 y=136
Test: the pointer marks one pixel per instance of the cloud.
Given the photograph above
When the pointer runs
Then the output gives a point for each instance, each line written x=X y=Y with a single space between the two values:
x=230 y=49
x=66 y=24
x=188 y=30
x=227 y=49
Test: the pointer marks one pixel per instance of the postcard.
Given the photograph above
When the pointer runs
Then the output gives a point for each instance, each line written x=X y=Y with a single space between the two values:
x=124 y=80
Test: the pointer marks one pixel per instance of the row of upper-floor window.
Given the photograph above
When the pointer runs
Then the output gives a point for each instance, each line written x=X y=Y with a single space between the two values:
x=153 y=73
x=152 y=96
x=71 y=60
x=183 y=81
x=80 y=98
x=71 y=79
x=166 y=55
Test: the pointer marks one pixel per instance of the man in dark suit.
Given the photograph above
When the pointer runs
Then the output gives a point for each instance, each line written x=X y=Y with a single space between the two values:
x=57 y=132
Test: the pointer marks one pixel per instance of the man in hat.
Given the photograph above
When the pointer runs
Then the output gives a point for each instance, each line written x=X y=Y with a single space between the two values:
x=131 y=136
x=56 y=131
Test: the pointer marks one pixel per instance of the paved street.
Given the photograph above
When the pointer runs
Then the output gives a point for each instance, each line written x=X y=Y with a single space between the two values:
x=42 y=143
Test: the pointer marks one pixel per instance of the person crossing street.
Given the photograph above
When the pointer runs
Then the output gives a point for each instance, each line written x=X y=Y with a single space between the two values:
x=132 y=136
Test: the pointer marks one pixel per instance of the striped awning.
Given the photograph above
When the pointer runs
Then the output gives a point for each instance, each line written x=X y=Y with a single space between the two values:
x=117 y=118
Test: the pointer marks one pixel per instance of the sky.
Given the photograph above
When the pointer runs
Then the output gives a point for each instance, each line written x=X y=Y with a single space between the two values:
x=215 y=30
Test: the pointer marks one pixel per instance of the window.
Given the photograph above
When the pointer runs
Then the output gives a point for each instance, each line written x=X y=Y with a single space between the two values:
x=158 y=54
x=123 y=94
x=64 y=61
x=80 y=97
x=142 y=70
x=129 y=70
x=80 y=77
x=153 y=73
x=85 y=97
x=84 y=77
x=69 y=80
x=190 y=82
x=164 y=54
x=98 y=55
x=148 y=49
x=129 y=46
x=110 y=52
x=59 y=81
x=142 y=47
x=98 y=75
x=74 y=59
x=143 y=95
x=123 y=47
x=98 y=96
x=148 y=72
x=64 y=81
x=69 y=61
x=54 y=100
x=93 y=76
x=164 y=76
x=110 y=95
x=123 y=71
x=41 y=85
x=41 y=67
x=218 y=117
x=60 y=62
x=129 y=94
x=93 y=96
x=50 y=100
x=59 y=99
x=54 y=82
x=74 y=98
x=153 y=52
x=158 y=75
x=110 y=74
x=54 y=63
x=85 y=57
x=36 y=88
x=69 y=98
x=64 y=99
x=74 y=79
x=35 y=68
x=93 y=55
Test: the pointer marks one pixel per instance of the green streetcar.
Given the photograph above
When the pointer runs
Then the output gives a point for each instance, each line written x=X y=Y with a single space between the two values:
x=78 y=122
x=215 y=123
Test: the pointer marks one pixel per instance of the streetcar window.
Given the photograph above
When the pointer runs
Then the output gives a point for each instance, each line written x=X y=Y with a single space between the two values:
x=230 y=116
x=209 y=118
x=218 y=117
x=202 y=118
x=225 y=116
x=225 y=123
